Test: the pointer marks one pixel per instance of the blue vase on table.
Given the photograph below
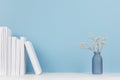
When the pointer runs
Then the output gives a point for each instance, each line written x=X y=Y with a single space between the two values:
x=97 y=63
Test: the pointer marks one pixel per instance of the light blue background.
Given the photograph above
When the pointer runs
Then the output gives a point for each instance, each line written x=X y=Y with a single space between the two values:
x=56 y=27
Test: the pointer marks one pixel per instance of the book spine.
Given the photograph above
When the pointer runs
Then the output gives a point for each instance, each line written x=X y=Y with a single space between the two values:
x=22 y=58
x=33 y=57
x=13 y=56
x=8 y=35
x=0 y=51
x=4 y=51
x=17 y=57
x=9 y=55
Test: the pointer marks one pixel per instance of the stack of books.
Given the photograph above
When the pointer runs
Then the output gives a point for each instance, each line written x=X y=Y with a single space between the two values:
x=12 y=54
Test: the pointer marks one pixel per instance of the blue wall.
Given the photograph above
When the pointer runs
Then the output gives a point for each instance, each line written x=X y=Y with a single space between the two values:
x=56 y=27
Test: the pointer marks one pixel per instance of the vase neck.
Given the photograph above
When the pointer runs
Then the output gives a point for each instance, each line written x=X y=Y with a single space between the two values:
x=96 y=52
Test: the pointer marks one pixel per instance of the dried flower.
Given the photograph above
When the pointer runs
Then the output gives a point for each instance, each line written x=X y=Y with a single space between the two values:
x=83 y=45
x=104 y=41
x=99 y=42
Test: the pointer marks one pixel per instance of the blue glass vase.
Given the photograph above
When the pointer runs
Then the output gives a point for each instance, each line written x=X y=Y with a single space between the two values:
x=97 y=63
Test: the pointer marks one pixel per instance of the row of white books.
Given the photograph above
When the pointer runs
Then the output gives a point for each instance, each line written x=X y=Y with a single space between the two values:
x=12 y=54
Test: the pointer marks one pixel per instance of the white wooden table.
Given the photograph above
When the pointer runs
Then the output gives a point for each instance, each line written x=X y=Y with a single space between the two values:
x=64 y=76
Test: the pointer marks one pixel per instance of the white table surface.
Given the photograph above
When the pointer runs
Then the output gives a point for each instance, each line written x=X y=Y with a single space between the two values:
x=64 y=76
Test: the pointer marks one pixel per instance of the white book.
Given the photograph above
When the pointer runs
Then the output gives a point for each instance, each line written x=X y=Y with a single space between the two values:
x=17 y=57
x=5 y=42
x=33 y=57
x=7 y=36
x=9 y=55
x=4 y=49
x=0 y=51
x=14 y=40
x=22 y=56
x=3 y=52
